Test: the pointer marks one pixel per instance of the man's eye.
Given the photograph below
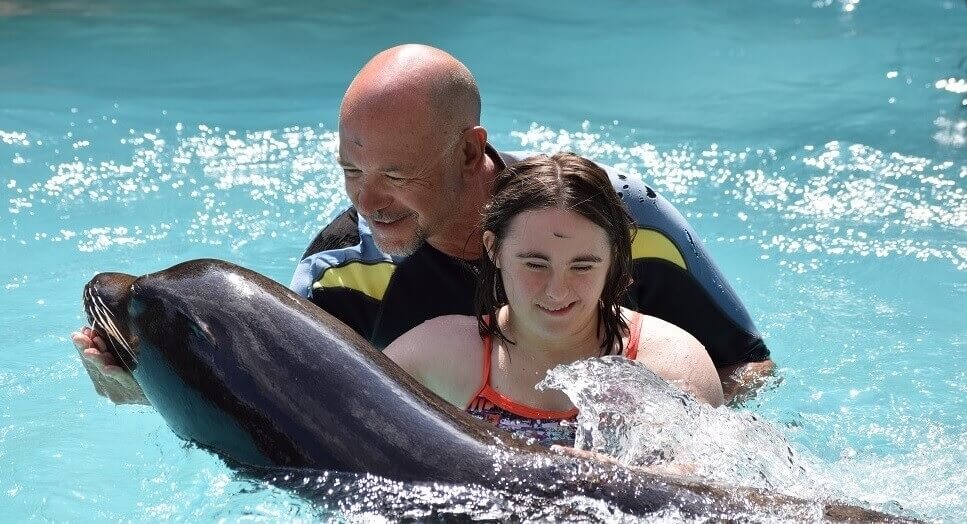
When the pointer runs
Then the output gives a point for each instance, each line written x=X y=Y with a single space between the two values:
x=396 y=179
x=351 y=173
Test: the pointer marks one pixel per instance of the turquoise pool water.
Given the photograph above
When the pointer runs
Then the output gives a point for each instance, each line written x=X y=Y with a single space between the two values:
x=817 y=146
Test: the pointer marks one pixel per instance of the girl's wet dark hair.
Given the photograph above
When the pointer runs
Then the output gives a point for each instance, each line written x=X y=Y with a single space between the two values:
x=564 y=181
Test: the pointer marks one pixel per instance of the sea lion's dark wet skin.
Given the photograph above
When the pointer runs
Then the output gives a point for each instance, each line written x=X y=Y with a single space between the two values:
x=240 y=365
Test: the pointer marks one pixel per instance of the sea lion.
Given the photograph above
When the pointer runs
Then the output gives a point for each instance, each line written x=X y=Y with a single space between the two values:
x=238 y=364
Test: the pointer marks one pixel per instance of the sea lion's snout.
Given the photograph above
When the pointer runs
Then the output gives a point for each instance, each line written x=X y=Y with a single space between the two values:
x=106 y=299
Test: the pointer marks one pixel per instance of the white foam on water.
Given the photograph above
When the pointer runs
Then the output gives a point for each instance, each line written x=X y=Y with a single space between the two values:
x=631 y=414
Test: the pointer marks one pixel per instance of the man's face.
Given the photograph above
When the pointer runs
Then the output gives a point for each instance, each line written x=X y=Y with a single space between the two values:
x=403 y=177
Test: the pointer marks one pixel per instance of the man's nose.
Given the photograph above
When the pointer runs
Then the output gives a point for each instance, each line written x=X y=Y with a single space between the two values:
x=367 y=195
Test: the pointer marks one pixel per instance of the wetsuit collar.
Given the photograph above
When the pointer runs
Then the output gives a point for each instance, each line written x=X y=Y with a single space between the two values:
x=495 y=156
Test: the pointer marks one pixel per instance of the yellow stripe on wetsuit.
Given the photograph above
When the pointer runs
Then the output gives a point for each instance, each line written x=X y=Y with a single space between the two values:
x=373 y=279
x=369 y=279
x=649 y=243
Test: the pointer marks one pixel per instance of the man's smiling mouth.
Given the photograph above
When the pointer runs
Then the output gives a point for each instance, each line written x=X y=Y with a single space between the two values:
x=387 y=220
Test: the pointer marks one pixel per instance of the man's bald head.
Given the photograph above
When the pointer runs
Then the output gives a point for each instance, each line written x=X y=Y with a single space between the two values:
x=413 y=153
x=415 y=78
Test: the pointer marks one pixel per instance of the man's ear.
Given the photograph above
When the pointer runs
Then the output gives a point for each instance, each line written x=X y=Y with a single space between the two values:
x=474 y=149
x=490 y=246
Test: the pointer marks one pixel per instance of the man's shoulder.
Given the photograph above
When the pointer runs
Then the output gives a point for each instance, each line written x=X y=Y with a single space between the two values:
x=341 y=233
x=344 y=255
x=618 y=176
x=644 y=204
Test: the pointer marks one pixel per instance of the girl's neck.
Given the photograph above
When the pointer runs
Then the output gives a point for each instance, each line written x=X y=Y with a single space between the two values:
x=581 y=341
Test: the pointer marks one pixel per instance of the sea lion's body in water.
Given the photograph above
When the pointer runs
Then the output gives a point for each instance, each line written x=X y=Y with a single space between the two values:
x=240 y=365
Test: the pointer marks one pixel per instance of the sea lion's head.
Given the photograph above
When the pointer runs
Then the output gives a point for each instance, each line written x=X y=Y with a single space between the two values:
x=167 y=328
x=171 y=309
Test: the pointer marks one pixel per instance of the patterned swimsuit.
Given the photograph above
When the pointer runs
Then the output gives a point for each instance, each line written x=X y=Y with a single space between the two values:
x=544 y=426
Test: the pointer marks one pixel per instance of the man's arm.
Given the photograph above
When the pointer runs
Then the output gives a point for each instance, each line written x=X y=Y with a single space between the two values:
x=741 y=381
x=344 y=273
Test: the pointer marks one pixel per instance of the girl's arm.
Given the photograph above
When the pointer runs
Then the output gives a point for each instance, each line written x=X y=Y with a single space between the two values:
x=679 y=358
x=445 y=355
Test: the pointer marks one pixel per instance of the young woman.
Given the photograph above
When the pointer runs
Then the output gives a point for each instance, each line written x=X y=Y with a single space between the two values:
x=558 y=244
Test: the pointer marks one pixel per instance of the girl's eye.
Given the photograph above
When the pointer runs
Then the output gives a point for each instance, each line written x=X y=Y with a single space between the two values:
x=534 y=265
x=582 y=269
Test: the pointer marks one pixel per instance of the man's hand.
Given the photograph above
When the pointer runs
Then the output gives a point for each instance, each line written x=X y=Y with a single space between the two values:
x=585 y=454
x=741 y=381
x=110 y=379
x=678 y=470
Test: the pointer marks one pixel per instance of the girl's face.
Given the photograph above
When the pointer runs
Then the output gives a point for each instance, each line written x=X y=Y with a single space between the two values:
x=553 y=264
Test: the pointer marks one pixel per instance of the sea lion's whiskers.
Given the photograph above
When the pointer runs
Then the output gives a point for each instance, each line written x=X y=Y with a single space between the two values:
x=115 y=338
x=110 y=319
x=105 y=316
x=112 y=338
x=101 y=317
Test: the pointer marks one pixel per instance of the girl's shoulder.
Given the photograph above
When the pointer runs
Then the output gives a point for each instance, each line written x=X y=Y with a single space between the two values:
x=438 y=337
x=455 y=325
x=444 y=353
x=678 y=357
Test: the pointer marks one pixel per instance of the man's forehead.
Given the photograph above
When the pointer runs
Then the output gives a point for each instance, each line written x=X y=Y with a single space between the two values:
x=387 y=114
x=385 y=149
x=356 y=155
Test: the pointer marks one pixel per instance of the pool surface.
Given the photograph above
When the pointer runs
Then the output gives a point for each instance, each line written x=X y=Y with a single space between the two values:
x=818 y=147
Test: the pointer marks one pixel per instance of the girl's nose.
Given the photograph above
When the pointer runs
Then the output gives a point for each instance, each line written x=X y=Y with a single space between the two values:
x=557 y=288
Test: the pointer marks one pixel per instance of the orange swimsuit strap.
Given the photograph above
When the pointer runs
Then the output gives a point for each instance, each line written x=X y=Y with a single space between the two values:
x=523 y=410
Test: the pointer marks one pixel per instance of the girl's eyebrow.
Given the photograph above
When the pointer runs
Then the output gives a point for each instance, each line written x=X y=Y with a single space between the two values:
x=542 y=256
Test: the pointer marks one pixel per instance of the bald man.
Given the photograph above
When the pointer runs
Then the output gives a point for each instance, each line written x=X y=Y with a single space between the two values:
x=418 y=170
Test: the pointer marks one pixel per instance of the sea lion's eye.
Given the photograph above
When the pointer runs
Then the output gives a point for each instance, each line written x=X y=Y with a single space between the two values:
x=201 y=331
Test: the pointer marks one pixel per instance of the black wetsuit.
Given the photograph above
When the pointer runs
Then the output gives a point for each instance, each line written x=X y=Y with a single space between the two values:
x=382 y=297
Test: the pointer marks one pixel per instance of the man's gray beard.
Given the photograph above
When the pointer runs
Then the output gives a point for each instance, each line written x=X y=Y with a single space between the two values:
x=407 y=249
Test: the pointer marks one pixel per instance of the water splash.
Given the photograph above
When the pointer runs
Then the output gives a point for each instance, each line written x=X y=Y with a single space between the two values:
x=666 y=428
